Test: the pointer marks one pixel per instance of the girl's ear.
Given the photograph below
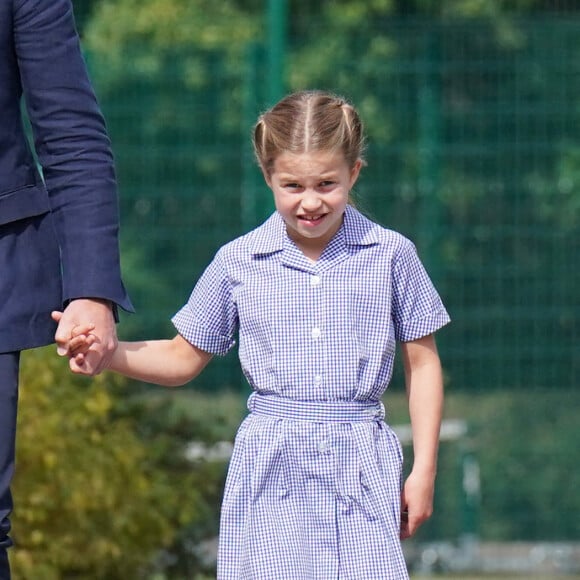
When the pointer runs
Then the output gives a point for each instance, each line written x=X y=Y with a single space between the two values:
x=354 y=172
x=266 y=177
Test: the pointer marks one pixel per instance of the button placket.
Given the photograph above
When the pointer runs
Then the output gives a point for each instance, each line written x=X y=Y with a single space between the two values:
x=315 y=283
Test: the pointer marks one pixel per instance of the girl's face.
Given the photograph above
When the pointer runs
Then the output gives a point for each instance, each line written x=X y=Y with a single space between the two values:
x=311 y=193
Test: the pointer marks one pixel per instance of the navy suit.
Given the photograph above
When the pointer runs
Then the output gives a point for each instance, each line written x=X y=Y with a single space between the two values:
x=58 y=233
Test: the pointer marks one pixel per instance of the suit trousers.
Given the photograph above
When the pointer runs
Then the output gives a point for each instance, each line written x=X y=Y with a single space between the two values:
x=9 y=363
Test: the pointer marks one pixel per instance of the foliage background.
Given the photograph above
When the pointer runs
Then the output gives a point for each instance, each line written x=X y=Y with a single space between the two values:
x=471 y=109
x=103 y=487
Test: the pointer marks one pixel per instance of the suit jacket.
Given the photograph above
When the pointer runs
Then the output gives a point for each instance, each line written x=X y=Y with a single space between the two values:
x=59 y=232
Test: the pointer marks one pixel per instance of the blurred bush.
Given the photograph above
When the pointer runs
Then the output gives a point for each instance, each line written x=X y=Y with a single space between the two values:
x=103 y=489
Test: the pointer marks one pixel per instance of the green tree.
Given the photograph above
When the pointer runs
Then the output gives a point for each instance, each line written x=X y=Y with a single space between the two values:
x=83 y=10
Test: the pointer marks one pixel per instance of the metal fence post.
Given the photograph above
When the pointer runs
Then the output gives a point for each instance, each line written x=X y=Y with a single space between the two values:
x=429 y=109
x=277 y=32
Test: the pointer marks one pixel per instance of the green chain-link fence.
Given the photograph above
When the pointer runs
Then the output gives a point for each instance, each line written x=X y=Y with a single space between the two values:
x=474 y=153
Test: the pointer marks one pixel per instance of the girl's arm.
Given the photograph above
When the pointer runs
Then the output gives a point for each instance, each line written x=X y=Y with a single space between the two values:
x=164 y=362
x=424 y=384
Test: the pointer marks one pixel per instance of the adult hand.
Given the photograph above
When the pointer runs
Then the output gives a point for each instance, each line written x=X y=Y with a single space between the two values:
x=99 y=315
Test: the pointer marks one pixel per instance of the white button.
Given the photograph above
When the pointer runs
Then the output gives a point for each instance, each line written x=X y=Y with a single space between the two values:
x=317 y=380
x=315 y=280
x=316 y=333
x=323 y=446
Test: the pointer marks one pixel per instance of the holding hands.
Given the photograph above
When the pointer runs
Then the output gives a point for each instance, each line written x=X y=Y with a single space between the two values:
x=86 y=334
x=79 y=345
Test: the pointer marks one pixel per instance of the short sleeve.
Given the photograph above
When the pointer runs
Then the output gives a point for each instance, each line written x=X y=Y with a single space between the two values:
x=209 y=318
x=417 y=308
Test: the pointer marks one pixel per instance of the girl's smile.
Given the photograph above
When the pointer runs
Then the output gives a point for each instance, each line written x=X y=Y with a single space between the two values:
x=311 y=192
x=311 y=221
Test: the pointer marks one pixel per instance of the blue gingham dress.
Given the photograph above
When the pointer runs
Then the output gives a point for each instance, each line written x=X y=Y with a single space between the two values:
x=314 y=483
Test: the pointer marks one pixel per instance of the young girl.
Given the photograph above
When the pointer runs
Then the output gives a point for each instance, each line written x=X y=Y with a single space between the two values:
x=317 y=295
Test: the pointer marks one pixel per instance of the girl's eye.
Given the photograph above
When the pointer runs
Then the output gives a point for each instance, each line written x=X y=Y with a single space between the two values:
x=327 y=184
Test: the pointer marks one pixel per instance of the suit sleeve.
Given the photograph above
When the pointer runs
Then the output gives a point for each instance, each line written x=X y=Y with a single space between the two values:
x=73 y=149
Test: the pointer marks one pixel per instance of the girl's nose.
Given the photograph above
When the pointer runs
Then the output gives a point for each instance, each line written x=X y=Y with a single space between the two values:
x=311 y=200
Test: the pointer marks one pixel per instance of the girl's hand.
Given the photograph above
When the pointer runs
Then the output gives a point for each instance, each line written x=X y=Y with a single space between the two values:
x=416 y=503
x=80 y=343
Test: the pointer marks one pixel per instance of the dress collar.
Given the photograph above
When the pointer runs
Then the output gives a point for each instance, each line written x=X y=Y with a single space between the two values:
x=356 y=230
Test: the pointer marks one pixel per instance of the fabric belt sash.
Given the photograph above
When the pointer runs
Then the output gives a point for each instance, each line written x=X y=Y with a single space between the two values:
x=316 y=411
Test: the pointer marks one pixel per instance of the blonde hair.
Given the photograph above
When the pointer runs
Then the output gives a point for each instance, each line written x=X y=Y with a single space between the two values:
x=308 y=121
